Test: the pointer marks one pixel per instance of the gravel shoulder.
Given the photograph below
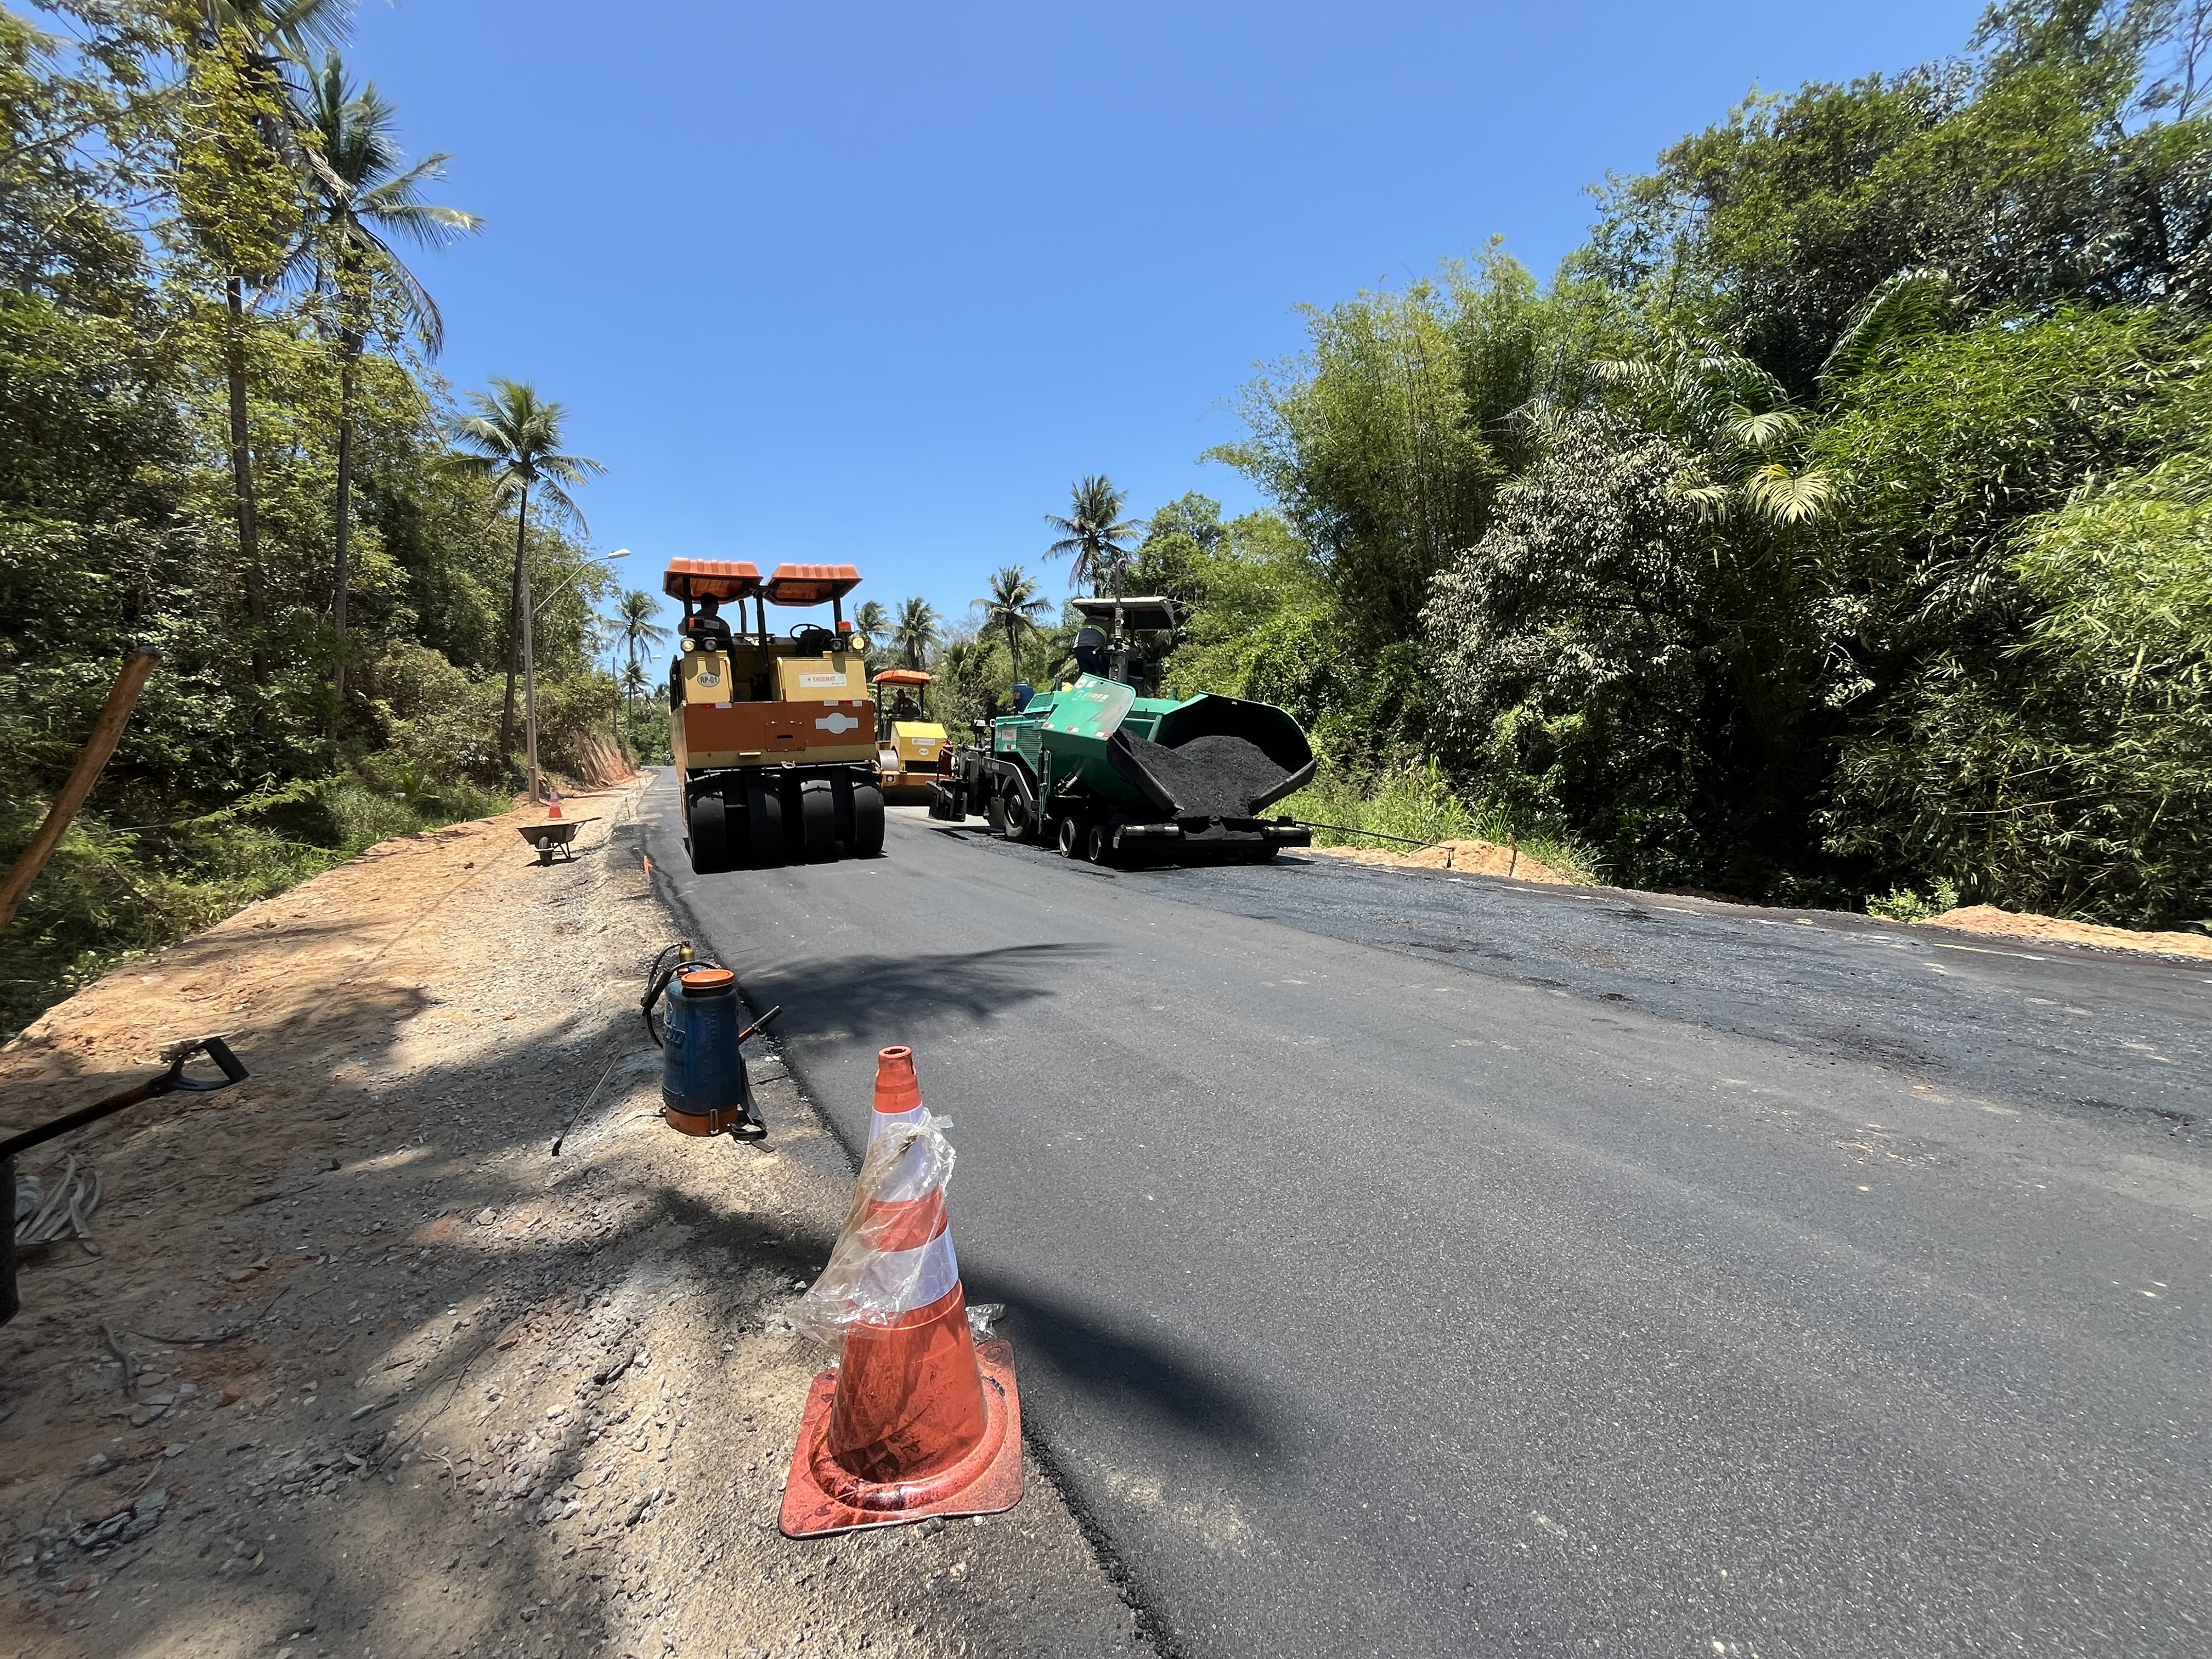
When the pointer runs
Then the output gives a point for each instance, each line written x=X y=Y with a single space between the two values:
x=359 y=1366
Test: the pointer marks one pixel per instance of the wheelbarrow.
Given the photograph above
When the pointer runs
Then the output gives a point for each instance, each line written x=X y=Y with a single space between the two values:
x=551 y=838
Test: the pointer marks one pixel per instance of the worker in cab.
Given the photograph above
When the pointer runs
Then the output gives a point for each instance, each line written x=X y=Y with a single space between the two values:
x=705 y=629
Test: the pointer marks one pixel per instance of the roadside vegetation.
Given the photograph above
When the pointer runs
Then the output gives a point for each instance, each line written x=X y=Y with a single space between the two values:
x=221 y=436
x=1834 y=528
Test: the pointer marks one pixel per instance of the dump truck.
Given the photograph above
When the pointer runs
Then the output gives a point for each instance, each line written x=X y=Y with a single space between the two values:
x=908 y=745
x=1108 y=774
x=774 y=733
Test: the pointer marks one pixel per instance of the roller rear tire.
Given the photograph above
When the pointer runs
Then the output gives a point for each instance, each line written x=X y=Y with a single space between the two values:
x=867 y=821
x=817 y=821
x=710 y=834
x=764 y=825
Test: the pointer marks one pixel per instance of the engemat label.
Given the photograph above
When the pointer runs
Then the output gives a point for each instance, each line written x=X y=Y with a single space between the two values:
x=822 y=679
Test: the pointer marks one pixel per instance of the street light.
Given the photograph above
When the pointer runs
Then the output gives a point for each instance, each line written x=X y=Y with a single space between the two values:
x=530 y=657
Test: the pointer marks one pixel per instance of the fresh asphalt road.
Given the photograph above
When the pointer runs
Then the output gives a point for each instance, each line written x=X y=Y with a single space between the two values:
x=1412 y=1264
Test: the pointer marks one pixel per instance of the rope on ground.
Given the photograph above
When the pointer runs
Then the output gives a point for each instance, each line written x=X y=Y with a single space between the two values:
x=64 y=1213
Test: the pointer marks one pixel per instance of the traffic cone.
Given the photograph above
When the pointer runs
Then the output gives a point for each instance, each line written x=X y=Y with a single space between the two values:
x=917 y=1418
x=552 y=802
x=898 y=1091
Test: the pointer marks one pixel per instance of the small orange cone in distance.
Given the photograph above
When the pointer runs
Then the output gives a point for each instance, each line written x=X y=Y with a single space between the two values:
x=552 y=803
x=917 y=1418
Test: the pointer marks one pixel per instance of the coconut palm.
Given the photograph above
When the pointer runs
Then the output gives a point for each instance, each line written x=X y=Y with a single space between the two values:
x=635 y=682
x=1014 y=605
x=1094 y=531
x=513 y=439
x=367 y=197
x=245 y=216
x=636 y=625
x=873 y=624
x=915 y=630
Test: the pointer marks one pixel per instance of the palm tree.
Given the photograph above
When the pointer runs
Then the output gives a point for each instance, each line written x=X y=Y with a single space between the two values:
x=367 y=197
x=637 y=626
x=634 y=685
x=873 y=624
x=636 y=623
x=1014 y=603
x=514 y=440
x=915 y=630
x=246 y=219
x=1093 y=531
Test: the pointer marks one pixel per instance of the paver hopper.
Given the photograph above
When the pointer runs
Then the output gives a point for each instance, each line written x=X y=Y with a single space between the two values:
x=1113 y=777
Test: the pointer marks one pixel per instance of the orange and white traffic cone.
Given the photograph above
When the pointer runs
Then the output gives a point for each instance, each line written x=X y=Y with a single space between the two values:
x=898 y=1091
x=552 y=802
x=917 y=1418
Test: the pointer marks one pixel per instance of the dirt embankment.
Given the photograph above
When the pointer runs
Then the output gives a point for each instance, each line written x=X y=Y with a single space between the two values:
x=1488 y=858
x=361 y=1368
x=1481 y=858
x=2054 y=930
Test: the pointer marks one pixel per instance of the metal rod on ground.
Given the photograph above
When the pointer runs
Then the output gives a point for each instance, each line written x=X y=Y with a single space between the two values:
x=107 y=732
x=1372 y=835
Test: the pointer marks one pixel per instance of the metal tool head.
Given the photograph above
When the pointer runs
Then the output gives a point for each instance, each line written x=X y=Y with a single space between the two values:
x=216 y=1049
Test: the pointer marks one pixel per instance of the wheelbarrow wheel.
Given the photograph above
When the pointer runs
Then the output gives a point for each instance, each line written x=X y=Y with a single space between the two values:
x=710 y=833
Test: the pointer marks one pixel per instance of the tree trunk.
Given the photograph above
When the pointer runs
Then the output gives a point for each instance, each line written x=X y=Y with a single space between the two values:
x=513 y=631
x=529 y=668
x=344 y=528
x=241 y=475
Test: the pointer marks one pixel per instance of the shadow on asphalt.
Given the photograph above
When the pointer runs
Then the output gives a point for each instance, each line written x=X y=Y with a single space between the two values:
x=885 y=998
x=1139 y=1381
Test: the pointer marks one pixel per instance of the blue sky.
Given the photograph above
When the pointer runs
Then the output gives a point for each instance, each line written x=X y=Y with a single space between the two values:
x=872 y=283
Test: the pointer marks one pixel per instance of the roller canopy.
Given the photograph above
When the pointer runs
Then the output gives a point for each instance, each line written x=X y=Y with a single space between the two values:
x=810 y=583
x=1152 y=614
x=905 y=677
x=710 y=579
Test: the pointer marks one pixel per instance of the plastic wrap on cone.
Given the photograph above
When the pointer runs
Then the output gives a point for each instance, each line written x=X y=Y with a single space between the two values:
x=917 y=1418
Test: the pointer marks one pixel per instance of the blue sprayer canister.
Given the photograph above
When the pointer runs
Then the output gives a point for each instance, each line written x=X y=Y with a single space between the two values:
x=703 y=1089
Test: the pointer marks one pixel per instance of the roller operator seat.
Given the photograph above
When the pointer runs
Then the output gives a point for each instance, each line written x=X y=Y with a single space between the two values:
x=707 y=629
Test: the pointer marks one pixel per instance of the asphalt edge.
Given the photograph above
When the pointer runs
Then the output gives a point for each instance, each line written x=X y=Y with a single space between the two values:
x=1151 y=1627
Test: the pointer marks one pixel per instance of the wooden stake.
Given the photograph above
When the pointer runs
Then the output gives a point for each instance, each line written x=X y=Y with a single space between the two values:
x=106 y=733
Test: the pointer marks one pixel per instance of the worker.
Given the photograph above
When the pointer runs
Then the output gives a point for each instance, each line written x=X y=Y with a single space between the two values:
x=903 y=708
x=706 y=627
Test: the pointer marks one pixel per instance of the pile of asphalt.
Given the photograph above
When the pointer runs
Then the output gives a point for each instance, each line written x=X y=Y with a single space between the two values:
x=1216 y=776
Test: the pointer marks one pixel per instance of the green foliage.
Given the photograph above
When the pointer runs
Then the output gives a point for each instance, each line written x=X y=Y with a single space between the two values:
x=1903 y=904
x=1415 y=803
x=1093 y=533
x=1010 y=609
x=1833 y=523
x=148 y=160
